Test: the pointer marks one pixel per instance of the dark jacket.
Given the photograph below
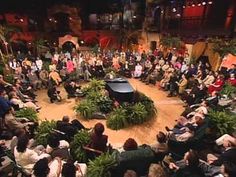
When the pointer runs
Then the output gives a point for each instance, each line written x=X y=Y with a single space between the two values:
x=99 y=142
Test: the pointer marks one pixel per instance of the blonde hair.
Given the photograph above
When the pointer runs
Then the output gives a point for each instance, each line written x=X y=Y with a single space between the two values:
x=156 y=170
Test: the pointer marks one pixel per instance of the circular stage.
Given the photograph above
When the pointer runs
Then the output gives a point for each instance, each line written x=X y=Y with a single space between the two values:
x=168 y=109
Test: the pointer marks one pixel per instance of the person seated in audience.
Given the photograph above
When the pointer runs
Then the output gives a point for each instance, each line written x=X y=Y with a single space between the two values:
x=232 y=80
x=53 y=94
x=173 y=86
x=26 y=157
x=153 y=77
x=217 y=85
x=189 y=166
x=182 y=84
x=70 y=129
x=3 y=84
x=43 y=76
x=213 y=99
x=130 y=173
x=44 y=168
x=228 y=169
x=209 y=79
x=166 y=78
x=34 y=80
x=71 y=169
x=130 y=145
x=73 y=90
x=98 y=140
x=228 y=155
x=13 y=124
x=161 y=145
x=25 y=89
x=57 y=148
x=156 y=170
x=19 y=104
x=138 y=71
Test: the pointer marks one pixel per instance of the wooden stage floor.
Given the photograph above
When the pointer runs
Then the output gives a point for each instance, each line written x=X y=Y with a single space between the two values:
x=168 y=109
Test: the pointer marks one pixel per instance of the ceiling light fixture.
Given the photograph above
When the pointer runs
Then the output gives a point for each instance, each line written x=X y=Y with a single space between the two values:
x=203 y=3
x=210 y=2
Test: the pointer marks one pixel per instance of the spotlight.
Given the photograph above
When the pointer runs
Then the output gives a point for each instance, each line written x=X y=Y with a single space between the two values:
x=203 y=3
x=210 y=2
x=21 y=20
x=134 y=16
x=184 y=7
x=193 y=5
x=70 y=18
x=199 y=4
x=162 y=12
x=50 y=19
x=178 y=15
x=174 y=9
x=82 y=42
x=55 y=21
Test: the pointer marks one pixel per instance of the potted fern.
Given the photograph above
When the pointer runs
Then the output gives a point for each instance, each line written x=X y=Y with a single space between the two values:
x=80 y=139
x=117 y=119
x=223 y=122
x=102 y=165
x=43 y=131
x=28 y=113
x=86 y=108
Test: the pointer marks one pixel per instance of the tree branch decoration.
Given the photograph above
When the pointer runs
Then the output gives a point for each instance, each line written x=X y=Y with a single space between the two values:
x=171 y=42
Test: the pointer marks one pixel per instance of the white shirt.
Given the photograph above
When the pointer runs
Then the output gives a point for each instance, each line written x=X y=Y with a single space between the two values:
x=39 y=64
x=63 y=144
x=28 y=158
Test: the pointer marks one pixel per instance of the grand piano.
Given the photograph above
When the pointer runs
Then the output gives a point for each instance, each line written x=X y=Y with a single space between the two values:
x=120 y=89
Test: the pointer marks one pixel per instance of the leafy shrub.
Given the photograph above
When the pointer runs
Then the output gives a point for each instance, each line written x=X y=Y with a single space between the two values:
x=228 y=90
x=117 y=119
x=86 y=108
x=43 y=131
x=136 y=114
x=224 y=122
x=101 y=166
x=147 y=102
x=80 y=139
x=28 y=113
x=94 y=85
x=105 y=104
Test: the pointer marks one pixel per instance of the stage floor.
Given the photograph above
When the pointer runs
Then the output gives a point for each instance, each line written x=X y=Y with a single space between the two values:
x=169 y=109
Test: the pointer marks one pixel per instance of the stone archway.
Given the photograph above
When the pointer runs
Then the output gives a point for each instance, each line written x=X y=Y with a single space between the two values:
x=68 y=38
x=74 y=20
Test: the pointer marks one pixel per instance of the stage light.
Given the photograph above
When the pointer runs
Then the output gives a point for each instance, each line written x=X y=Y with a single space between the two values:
x=70 y=18
x=193 y=5
x=178 y=15
x=162 y=12
x=199 y=4
x=184 y=7
x=21 y=20
x=134 y=16
x=55 y=21
x=50 y=19
x=203 y=3
x=210 y=2
x=174 y=9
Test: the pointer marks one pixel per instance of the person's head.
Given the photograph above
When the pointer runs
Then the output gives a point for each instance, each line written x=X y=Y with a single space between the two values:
x=161 y=137
x=19 y=132
x=22 y=143
x=53 y=141
x=41 y=168
x=66 y=119
x=191 y=158
x=99 y=129
x=156 y=170
x=130 y=144
x=232 y=76
x=68 y=169
x=228 y=169
x=130 y=173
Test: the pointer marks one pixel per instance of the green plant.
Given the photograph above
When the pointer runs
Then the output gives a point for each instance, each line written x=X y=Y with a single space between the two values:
x=80 y=139
x=136 y=114
x=223 y=47
x=147 y=102
x=101 y=166
x=28 y=113
x=43 y=131
x=224 y=122
x=86 y=108
x=117 y=119
x=105 y=104
x=171 y=42
x=228 y=90
x=46 y=65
